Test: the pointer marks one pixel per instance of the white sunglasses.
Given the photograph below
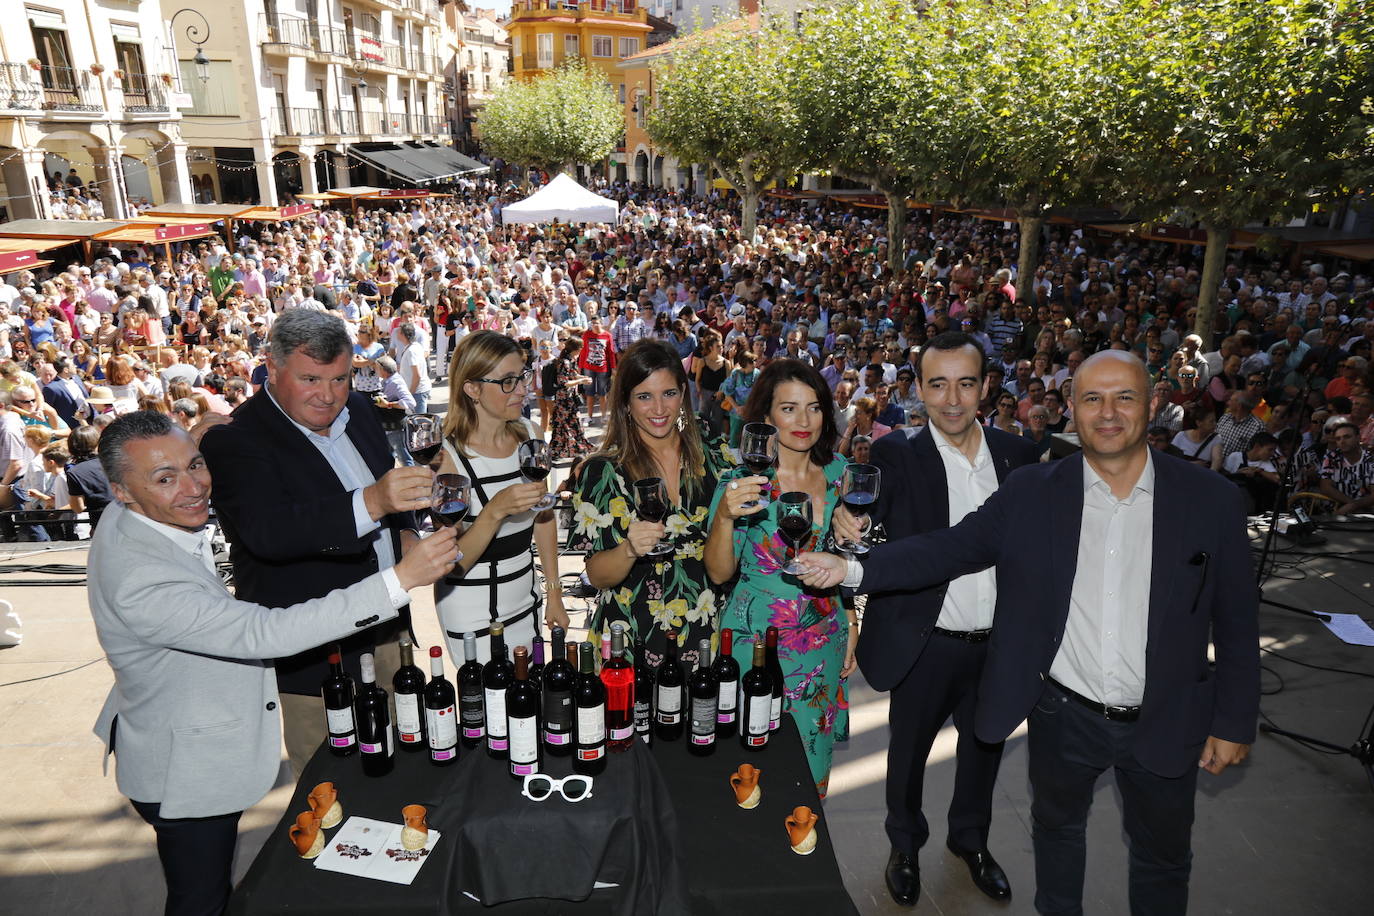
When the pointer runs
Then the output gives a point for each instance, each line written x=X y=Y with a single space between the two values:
x=539 y=786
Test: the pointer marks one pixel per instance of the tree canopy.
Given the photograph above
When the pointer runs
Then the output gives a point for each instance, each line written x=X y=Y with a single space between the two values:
x=553 y=121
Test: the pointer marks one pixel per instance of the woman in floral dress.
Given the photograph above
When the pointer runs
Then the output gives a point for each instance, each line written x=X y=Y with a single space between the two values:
x=651 y=432
x=568 y=440
x=816 y=632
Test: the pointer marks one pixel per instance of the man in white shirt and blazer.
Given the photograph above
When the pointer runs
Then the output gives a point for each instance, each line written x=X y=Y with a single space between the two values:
x=192 y=717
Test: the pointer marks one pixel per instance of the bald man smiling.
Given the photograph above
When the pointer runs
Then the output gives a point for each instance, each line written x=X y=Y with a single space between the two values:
x=1101 y=640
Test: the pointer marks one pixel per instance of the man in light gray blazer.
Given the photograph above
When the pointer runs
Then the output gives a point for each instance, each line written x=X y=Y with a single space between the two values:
x=192 y=717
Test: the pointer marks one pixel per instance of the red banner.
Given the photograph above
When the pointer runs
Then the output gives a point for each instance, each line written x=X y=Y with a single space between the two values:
x=294 y=210
x=17 y=260
x=172 y=233
x=401 y=192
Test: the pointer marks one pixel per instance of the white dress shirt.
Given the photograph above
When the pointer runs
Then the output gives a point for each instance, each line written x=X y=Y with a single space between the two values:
x=1102 y=655
x=354 y=474
x=969 y=600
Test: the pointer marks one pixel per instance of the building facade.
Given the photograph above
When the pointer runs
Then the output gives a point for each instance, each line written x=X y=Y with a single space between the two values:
x=479 y=66
x=91 y=86
x=302 y=95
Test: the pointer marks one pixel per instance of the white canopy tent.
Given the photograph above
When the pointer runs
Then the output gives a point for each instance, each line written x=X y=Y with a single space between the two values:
x=564 y=200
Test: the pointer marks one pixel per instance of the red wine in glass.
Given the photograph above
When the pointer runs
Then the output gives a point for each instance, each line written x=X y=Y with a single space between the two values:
x=651 y=504
x=536 y=462
x=860 y=487
x=758 y=450
x=449 y=498
x=794 y=524
x=422 y=437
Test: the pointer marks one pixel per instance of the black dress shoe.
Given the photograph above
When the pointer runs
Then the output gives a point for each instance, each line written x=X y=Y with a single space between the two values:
x=986 y=873
x=903 y=877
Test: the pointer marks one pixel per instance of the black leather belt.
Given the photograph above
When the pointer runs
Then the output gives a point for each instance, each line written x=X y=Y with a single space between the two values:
x=1114 y=713
x=965 y=635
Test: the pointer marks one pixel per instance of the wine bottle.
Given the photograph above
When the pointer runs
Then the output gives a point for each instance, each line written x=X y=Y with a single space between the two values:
x=590 y=697
x=497 y=674
x=408 y=688
x=775 y=674
x=559 y=678
x=618 y=676
x=537 y=662
x=441 y=713
x=522 y=718
x=668 y=684
x=370 y=710
x=726 y=670
x=756 y=700
x=705 y=695
x=470 y=701
x=644 y=695
x=338 y=709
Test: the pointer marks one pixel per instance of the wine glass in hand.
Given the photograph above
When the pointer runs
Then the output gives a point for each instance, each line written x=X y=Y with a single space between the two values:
x=450 y=499
x=536 y=461
x=794 y=524
x=860 y=487
x=423 y=437
x=758 y=446
x=651 y=504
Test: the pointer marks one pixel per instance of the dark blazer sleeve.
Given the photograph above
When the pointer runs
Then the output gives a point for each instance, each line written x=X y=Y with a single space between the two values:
x=274 y=520
x=937 y=556
x=1235 y=629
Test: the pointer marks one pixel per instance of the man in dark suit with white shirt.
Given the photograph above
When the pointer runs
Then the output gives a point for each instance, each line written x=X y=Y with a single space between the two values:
x=310 y=501
x=1102 y=640
x=927 y=646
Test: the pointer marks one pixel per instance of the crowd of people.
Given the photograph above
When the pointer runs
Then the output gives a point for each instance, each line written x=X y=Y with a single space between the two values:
x=664 y=335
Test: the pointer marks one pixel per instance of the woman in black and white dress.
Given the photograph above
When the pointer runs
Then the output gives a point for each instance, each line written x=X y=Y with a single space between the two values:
x=483 y=430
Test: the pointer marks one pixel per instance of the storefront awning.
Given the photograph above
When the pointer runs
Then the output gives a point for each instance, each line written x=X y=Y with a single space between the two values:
x=419 y=164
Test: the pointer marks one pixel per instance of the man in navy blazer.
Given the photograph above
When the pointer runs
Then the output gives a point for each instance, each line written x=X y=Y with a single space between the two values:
x=927 y=645
x=310 y=501
x=64 y=392
x=1101 y=638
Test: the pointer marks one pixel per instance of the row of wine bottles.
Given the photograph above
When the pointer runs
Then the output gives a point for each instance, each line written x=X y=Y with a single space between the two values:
x=525 y=709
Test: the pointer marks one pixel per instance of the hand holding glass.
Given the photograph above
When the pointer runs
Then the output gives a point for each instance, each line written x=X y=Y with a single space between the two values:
x=860 y=488
x=651 y=504
x=536 y=462
x=794 y=524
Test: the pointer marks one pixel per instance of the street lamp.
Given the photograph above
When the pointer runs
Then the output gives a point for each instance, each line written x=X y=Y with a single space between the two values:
x=197 y=35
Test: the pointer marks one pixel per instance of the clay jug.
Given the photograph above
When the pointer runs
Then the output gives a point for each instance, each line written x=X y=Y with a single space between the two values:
x=416 y=830
x=324 y=801
x=745 y=782
x=307 y=835
x=801 y=829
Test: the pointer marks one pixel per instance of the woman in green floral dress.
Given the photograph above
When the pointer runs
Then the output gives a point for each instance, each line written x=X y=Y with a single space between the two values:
x=651 y=432
x=816 y=632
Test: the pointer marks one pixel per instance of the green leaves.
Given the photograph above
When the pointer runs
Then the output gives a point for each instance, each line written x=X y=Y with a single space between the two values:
x=566 y=116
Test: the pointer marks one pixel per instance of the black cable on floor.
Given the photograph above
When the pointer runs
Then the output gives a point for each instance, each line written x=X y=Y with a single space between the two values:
x=44 y=677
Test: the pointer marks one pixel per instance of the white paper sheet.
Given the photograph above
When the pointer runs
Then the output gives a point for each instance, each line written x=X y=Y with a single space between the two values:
x=372 y=849
x=1350 y=628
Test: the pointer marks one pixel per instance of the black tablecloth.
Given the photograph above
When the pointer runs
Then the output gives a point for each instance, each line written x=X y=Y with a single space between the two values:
x=734 y=861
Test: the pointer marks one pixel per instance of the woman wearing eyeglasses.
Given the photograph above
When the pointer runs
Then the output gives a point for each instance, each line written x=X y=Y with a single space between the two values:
x=482 y=432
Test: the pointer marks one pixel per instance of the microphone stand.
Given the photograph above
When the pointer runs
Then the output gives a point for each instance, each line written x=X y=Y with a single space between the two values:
x=1290 y=467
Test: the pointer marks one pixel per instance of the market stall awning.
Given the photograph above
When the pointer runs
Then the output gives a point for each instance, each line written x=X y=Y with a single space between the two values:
x=69 y=229
x=211 y=213
x=1356 y=251
x=1178 y=235
x=279 y=214
x=155 y=233
x=12 y=261
x=9 y=246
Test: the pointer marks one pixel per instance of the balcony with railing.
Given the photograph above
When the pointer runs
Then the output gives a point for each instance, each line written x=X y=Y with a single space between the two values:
x=312 y=122
x=19 y=87
x=310 y=39
x=626 y=9
x=66 y=89
x=143 y=94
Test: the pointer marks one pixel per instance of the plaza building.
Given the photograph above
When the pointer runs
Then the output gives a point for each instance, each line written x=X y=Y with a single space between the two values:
x=93 y=87
x=478 y=64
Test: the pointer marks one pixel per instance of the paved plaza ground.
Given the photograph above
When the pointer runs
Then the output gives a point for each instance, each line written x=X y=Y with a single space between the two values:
x=1291 y=832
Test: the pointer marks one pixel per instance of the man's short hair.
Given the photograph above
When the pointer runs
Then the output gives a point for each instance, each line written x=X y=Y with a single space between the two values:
x=319 y=335
x=1261 y=439
x=114 y=441
x=952 y=340
x=186 y=407
x=408 y=331
x=387 y=364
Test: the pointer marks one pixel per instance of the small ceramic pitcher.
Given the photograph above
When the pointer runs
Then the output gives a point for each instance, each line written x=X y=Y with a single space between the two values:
x=801 y=830
x=745 y=782
x=415 y=833
x=307 y=835
x=324 y=801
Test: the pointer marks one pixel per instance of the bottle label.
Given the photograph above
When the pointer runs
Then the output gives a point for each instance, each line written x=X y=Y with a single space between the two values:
x=622 y=734
x=524 y=743
x=524 y=769
x=642 y=715
x=474 y=725
x=756 y=740
x=449 y=754
x=775 y=714
x=443 y=728
x=340 y=724
x=591 y=727
x=555 y=738
x=370 y=748
x=703 y=720
x=591 y=753
x=496 y=714
x=669 y=705
x=557 y=717
x=726 y=700
x=758 y=718
x=408 y=717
